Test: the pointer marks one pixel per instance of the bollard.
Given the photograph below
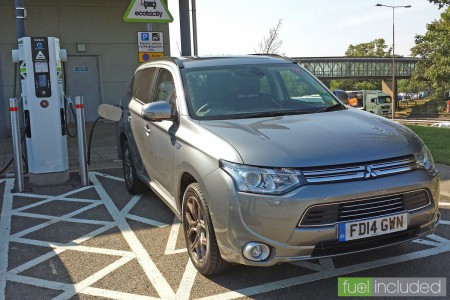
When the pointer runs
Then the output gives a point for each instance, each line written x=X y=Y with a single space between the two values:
x=17 y=146
x=81 y=140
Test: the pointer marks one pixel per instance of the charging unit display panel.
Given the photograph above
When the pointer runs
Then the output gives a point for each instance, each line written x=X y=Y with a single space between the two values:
x=40 y=57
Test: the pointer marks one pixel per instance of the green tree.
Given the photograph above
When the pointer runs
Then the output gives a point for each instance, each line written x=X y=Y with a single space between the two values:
x=433 y=49
x=375 y=48
x=440 y=3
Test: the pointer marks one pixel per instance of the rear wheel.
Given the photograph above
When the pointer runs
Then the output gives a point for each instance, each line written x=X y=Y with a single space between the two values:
x=133 y=184
x=199 y=233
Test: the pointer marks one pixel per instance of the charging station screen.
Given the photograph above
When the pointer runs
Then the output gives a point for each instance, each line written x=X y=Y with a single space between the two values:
x=42 y=80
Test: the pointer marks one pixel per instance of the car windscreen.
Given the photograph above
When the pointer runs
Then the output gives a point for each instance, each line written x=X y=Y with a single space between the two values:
x=230 y=92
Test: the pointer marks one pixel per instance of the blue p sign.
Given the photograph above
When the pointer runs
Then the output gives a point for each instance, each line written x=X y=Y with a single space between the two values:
x=145 y=36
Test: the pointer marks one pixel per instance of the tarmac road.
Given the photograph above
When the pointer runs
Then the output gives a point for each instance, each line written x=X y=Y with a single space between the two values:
x=99 y=242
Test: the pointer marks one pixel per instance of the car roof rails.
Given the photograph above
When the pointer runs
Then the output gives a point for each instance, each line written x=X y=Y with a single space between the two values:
x=276 y=56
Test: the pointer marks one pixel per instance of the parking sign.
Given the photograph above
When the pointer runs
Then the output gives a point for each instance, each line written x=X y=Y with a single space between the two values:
x=150 y=44
x=145 y=36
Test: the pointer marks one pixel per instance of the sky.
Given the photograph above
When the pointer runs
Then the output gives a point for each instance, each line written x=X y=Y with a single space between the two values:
x=309 y=28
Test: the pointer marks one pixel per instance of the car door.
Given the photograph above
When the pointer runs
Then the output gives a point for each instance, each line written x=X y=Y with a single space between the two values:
x=144 y=82
x=162 y=139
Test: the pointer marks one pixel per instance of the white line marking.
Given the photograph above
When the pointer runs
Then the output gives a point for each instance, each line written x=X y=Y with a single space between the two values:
x=54 y=198
x=444 y=204
x=58 y=249
x=307 y=265
x=151 y=270
x=33 y=195
x=130 y=204
x=78 y=287
x=442 y=222
x=73 y=220
x=438 y=238
x=55 y=220
x=91 y=291
x=325 y=264
x=146 y=221
x=36 y=261
x=47 y=200
x=276 y=285
x=5 y=230
x=426 y=242
x=187 y=282
x=172 y=240
x=39 y=282
x=108 y=176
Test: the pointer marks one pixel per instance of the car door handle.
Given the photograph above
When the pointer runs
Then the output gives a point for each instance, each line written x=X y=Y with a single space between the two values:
x=147 y=129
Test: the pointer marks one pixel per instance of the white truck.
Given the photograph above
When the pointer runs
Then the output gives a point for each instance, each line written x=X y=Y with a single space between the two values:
x=373 y=101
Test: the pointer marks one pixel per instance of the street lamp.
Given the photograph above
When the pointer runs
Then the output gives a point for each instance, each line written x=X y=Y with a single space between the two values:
x=394 y=87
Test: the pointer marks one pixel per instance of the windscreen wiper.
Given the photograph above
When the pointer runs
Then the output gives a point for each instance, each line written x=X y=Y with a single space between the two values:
x=337 y=106
x=272 y=114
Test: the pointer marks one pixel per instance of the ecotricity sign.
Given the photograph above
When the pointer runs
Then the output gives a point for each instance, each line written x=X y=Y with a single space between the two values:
x=148 y=11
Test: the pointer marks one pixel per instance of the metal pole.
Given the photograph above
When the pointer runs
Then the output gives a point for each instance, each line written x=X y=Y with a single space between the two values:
x=79 y=105
x=17 y=147
x=194 y=26
x=20 y=18
x=394 y=94
x=3 y=125
x=185 y=28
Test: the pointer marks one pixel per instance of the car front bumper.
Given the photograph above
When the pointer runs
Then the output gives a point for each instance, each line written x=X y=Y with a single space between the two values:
x=240 y=218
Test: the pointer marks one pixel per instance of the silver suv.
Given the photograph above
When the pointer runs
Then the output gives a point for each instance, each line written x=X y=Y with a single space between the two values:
x=252 y=154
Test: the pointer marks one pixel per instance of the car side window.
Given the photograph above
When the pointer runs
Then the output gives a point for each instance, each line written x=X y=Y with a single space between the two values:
x=145 y=85
x=165 y=88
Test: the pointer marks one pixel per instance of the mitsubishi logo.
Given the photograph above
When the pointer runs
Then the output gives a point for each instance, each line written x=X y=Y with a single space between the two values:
x=369 y=173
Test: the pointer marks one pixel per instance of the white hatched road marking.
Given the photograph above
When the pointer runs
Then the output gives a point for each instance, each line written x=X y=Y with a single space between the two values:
x=325 y=268
x=5 y=230
x=172 y=241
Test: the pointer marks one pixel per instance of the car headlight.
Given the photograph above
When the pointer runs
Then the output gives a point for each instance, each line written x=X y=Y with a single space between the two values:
x=424 y=160
x=274 y=181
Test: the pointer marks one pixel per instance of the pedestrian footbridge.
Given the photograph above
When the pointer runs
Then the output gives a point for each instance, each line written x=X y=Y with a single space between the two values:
x=361 y=68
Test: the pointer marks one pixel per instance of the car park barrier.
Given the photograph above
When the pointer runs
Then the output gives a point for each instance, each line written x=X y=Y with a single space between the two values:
x=17 y=147
x=79 y=105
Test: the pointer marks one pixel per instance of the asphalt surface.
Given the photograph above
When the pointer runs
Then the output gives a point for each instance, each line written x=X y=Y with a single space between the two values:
x=99 y=242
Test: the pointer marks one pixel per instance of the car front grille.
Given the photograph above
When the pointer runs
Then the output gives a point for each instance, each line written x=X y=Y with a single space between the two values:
x=360 y=171
x=330 y=214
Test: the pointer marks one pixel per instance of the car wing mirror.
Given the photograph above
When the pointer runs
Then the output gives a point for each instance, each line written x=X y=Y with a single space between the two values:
x=157 y=111
x=110 y=112
x=373 y=100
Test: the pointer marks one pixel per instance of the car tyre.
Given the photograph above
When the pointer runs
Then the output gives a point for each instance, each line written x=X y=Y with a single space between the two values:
x=132 y=182
x=199 y=233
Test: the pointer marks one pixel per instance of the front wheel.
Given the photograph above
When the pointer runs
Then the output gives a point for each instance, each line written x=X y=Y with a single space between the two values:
x=199 y=233
x=133 y=184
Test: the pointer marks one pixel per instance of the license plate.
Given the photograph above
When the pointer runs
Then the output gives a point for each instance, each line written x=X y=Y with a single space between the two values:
x=373 y=227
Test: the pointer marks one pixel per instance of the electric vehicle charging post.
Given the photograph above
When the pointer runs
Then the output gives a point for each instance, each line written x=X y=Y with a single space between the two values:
x=17 y=147
x=43 y=104
x=79 y=105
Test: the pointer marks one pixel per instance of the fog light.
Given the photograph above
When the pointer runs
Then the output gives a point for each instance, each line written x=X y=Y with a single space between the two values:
x=256 y=251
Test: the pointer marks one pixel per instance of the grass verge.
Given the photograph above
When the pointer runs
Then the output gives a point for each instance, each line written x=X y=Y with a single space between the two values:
x=437 y=140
